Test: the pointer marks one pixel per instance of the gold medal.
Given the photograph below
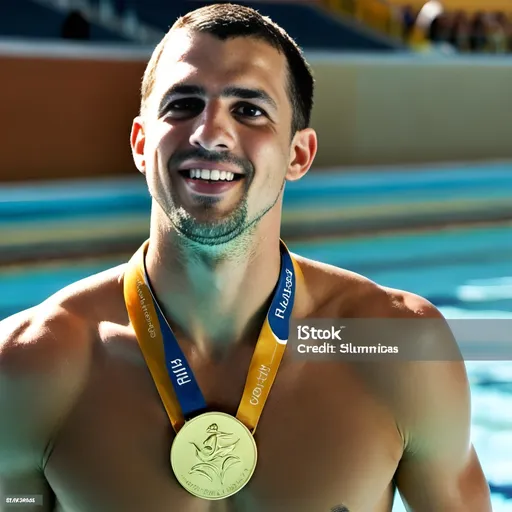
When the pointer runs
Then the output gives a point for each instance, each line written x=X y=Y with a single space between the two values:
x=213 y=456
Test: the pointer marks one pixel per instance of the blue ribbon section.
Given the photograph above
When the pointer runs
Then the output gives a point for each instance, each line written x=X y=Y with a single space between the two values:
x=282 y=303
x=187 y=391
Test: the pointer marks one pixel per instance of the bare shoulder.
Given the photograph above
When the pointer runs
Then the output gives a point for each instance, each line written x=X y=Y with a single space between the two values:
x=44 y=356
x=58 y=325
x=417 y=389
x=336 y=292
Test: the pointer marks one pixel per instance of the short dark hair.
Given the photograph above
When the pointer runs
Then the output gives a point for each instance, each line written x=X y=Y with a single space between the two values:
x=227 y=21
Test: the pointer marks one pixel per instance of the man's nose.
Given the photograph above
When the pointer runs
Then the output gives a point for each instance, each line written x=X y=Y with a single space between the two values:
x=214 y=129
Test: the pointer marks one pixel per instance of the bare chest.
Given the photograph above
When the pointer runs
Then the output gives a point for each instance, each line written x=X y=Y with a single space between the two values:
x=323 y=442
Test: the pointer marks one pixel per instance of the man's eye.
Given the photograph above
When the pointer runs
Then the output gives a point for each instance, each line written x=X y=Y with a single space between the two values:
x=249 y=110
x=186 y=105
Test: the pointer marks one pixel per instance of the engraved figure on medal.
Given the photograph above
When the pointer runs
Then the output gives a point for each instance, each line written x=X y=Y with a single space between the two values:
x=216 y=455
x=213 y=456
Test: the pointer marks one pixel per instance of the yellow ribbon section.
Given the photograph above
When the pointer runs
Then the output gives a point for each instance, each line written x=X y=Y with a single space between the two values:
x=143 y=317
x=263 y=370
x=264 y=365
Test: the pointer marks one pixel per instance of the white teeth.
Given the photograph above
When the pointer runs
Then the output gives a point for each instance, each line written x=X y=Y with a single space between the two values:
x=213 y=175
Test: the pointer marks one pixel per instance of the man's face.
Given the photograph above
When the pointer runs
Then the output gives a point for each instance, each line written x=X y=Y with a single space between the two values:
x=217 y=135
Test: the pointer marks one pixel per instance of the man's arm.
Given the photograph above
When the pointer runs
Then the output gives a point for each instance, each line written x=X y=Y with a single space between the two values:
x=38 y=382
x=440 y=470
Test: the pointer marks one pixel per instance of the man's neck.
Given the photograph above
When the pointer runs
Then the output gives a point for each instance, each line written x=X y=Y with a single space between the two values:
x=213 y=301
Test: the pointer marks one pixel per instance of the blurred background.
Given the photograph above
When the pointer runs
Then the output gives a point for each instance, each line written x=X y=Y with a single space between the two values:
x=412 y=185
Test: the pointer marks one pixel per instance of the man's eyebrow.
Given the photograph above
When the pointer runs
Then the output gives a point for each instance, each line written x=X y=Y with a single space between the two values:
x=249 y=94
x=229 y=92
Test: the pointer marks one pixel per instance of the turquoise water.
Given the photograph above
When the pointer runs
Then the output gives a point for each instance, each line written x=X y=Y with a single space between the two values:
x=73 y=216
x=467 y=273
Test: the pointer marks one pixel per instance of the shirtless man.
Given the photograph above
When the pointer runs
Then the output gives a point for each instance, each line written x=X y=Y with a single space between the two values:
x=81 y=421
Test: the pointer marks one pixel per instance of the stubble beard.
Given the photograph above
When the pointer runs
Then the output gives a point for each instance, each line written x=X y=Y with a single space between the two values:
x=234 y=231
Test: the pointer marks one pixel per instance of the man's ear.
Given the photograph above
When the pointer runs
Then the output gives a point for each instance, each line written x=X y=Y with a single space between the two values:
x=302 y=153
x=138 y=142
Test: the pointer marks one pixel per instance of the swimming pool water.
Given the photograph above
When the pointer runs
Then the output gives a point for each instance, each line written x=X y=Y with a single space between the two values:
x=467 y=273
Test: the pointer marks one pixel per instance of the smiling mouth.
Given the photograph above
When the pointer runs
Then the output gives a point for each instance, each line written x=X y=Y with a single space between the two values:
x=210 y=175
x=210 y=182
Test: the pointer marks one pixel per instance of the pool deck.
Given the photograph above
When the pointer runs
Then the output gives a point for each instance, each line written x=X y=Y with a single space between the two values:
x=111 y=216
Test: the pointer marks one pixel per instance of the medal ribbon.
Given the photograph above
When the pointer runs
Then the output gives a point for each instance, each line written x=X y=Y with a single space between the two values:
x=173 y=377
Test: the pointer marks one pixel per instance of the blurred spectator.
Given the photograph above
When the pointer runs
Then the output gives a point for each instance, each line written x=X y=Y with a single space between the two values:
x=426 y=32
x=408 y=21
x=435 y=29
x=509 y=32
x=496 y=36
x=506 y=24
x=461 y=32
x=428 y=13
x=440 y=32
x=75 y=26
x=478 y=38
